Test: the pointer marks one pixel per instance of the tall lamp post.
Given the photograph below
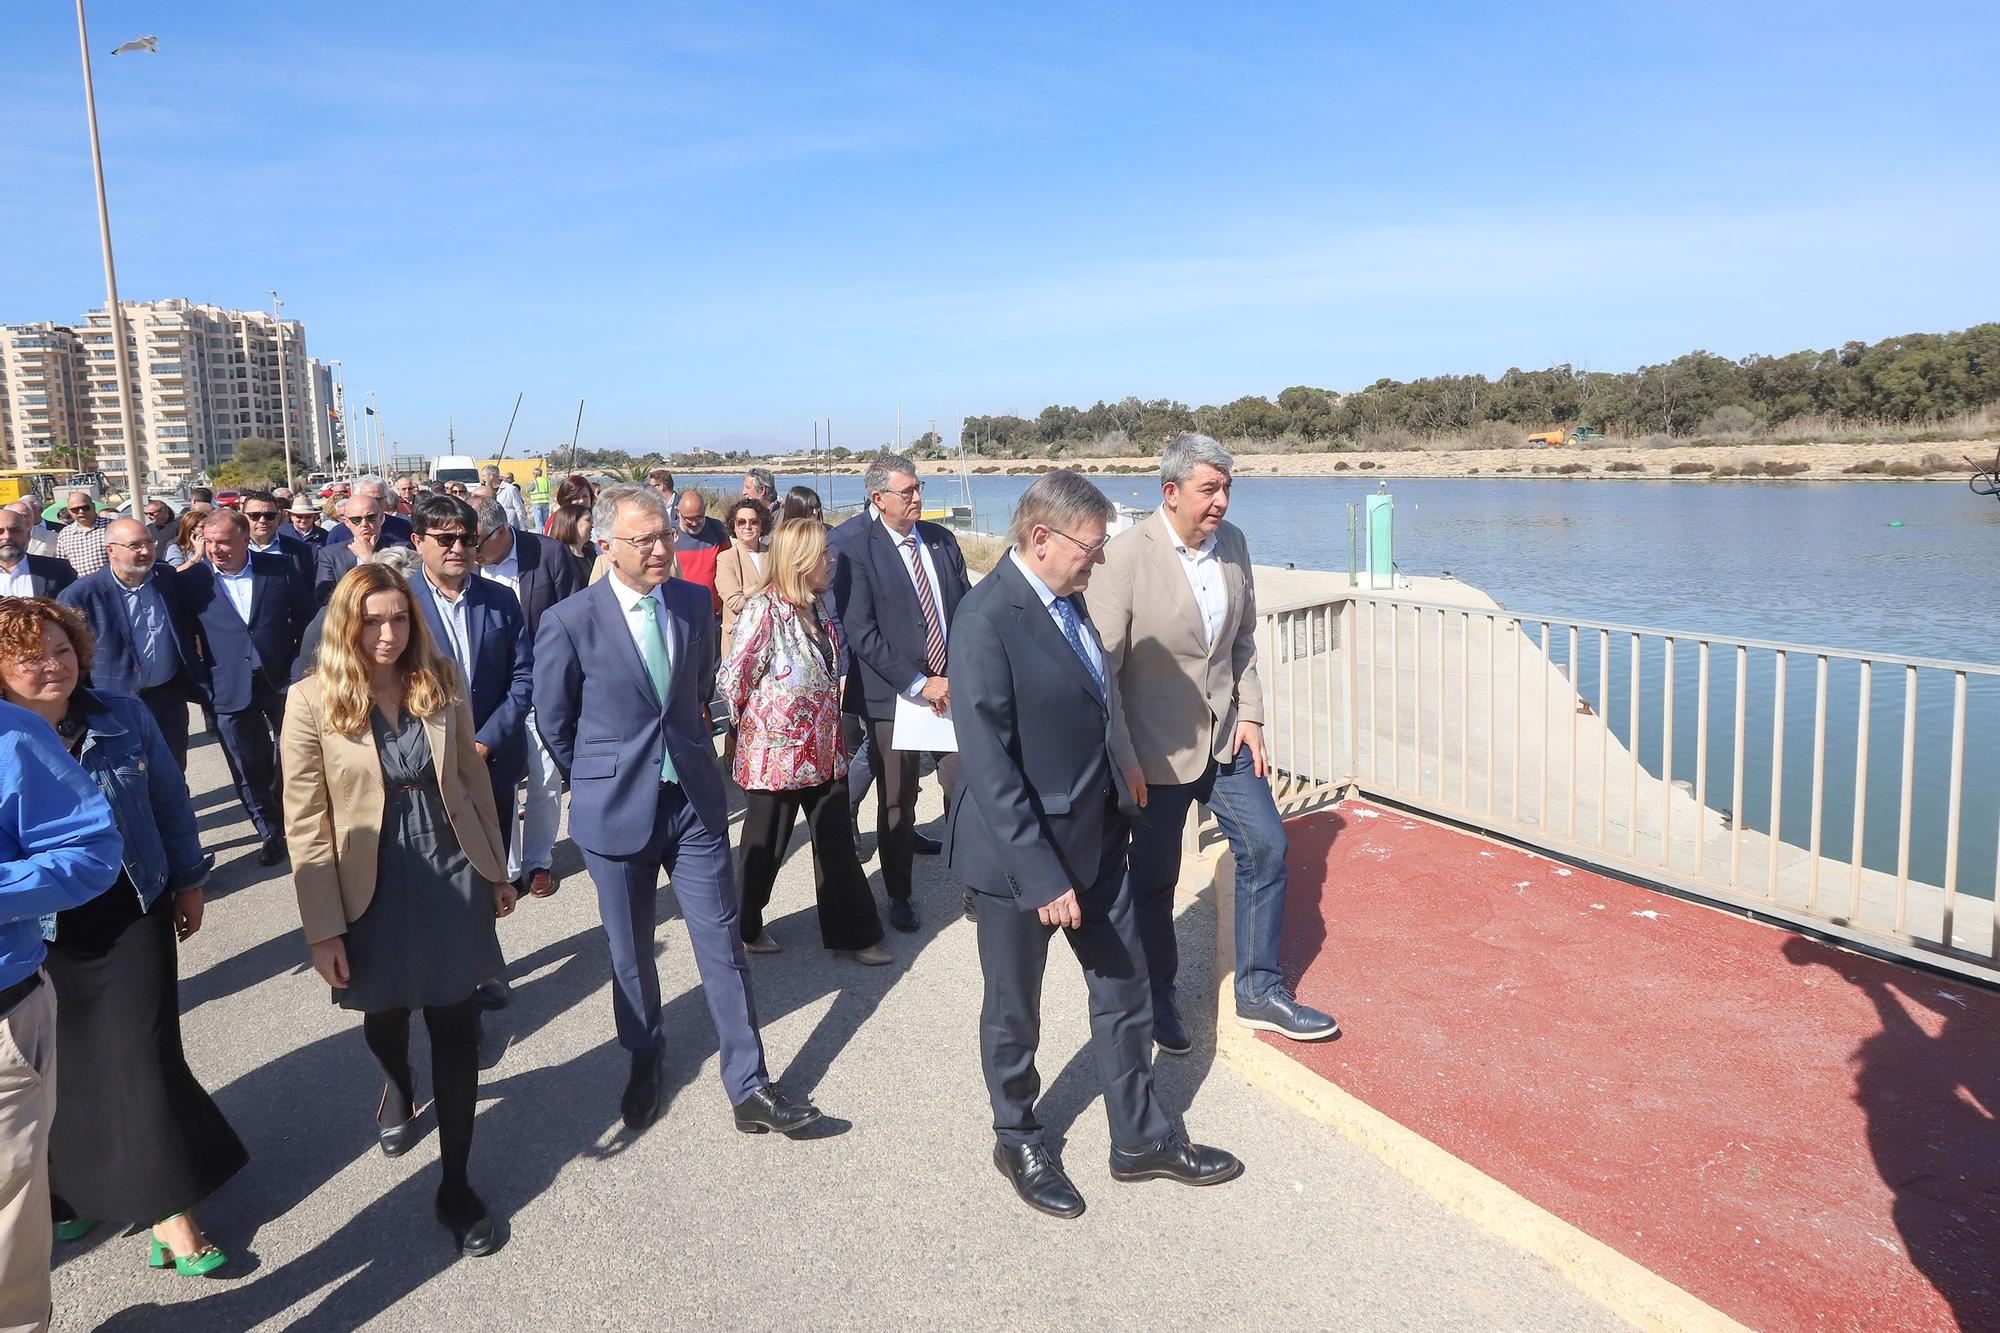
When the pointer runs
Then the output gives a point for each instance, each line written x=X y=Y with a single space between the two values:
x=284 y=396
x=381 y=437
x=135 y=482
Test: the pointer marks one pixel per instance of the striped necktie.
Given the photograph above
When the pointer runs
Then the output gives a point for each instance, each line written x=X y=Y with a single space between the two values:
x=933 y=627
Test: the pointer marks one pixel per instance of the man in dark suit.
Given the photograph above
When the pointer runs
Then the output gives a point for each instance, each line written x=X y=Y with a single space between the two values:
x=896 y=591
x=540 y=573
x=146 y=640
x=477 y=623
x=395 y=526
x=271 y=533
x=363 y=531
x=623 y=671
x=250 y=612
x=23 y=574
x=1040 y=829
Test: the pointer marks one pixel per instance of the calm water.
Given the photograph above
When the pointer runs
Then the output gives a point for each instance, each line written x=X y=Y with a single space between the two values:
x=1802 y=562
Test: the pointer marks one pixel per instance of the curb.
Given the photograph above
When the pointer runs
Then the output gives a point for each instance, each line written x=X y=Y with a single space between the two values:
x=1626 y=1288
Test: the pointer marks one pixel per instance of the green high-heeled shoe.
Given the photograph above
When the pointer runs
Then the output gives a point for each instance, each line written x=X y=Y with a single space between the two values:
x=199 y=1264
x=76 y=1228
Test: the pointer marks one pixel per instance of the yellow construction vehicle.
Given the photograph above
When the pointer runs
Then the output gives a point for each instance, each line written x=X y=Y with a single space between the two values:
x=1555 y=439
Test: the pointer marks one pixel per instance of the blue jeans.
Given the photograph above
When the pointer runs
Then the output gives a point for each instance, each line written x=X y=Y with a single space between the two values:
x=1242 y=804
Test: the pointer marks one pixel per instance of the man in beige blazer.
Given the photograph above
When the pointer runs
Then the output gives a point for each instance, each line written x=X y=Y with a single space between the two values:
x=1176 y=606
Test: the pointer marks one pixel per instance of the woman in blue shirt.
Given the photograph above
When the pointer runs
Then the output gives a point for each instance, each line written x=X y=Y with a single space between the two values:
x=136 y=1140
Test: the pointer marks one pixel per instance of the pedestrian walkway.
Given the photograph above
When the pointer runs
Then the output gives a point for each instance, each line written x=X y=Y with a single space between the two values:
x=890 y=1215
x=1802 y=1138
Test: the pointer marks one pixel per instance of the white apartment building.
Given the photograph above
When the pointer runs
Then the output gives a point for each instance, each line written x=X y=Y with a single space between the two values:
x=42 y=392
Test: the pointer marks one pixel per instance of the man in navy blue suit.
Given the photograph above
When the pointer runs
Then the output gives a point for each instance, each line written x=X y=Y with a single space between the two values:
x=250 y=611
x=363 y=532
x=478 y=624
x=22 y=573
x=623 y=671
x=896 y=590
x=1040 y=828
x=146 y=640
x=271 y=533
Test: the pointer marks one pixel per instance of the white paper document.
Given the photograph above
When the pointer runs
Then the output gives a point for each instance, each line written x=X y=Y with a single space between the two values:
x=918 y=728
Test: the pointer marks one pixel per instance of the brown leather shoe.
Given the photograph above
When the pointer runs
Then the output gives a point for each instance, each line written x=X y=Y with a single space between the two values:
x=542 y=884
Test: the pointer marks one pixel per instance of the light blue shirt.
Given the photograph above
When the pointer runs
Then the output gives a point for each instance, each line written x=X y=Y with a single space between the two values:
x=146 y=619
x=59 y=845
x=457 y=629
x=637 y=606
x=241 y=589
x=916 y=687
x=1091 y=647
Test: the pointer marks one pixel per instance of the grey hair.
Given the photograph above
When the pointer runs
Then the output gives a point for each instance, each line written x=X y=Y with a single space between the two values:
x=1057 y=500
x=604 y=514
x=884 y=466
x=1190 y=450
x=765 y=479
x=234 y=518
x=402 y=559
x=492 y=517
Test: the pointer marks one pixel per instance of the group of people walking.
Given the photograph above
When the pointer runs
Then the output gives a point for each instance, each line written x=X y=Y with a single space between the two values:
x=388 y=696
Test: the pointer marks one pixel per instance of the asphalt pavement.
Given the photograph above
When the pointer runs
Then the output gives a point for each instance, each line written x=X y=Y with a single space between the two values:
x=887 y=1214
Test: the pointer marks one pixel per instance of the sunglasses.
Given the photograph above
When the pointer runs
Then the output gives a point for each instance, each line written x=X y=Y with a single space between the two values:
x=451 y=539
x=262 y=515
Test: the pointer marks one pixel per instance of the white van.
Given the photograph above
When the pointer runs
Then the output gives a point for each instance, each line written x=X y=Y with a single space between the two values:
x=456 y=467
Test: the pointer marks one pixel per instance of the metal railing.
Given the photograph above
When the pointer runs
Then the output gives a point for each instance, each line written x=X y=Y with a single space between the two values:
x=1849 y=806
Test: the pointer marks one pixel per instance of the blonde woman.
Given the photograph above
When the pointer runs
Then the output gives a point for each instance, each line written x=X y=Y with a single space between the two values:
x=398 y=862
x=782 y=682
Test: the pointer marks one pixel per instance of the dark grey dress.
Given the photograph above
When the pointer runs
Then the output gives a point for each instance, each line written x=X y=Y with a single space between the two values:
x=428 y=935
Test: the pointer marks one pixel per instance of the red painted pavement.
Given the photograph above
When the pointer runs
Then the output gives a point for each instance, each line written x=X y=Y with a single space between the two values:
x=1801 y=1137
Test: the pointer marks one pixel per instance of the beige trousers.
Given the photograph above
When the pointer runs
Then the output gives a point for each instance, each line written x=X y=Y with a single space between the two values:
x=27 y=1106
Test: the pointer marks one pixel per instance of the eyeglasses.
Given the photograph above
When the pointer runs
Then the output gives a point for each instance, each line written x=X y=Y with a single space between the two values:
x=1088 y=548
x=133 y=546
x=910 y=492
x=451 y=539
x=367 y=520
x=263 y=516
x=81 y=509
x=647 y=542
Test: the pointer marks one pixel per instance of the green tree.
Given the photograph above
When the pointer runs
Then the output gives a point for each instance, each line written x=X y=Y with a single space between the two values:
x=257 y=464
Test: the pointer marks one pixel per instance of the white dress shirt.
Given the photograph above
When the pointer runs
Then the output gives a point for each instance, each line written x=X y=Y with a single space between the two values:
x=638 y=605
x=1203 y=569
x=916 y=687
x=457 y=628
x=18 y=583
x=241 y=587
x=1088 y=632
x=507 y=573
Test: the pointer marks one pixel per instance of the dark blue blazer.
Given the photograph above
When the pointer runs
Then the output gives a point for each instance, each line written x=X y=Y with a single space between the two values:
x=503 y=670
x=595 y=709
x=48 y=575
x=877 y=604
x=548 y=574
x=101 y=599
x=298 y=550
x=280 y=606
x=1038 y=798
x=331 y=562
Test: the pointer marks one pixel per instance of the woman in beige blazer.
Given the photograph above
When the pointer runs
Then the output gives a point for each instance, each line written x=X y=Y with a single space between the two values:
x=740 y=572
x=398 y=862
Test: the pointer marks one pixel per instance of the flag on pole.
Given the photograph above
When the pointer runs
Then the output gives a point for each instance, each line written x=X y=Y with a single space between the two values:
x=151 y=44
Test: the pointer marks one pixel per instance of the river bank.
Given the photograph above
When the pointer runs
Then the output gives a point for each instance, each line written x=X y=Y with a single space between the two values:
x=1767 y=461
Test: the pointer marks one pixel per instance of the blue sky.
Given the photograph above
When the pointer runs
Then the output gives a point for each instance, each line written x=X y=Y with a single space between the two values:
x=729 y=221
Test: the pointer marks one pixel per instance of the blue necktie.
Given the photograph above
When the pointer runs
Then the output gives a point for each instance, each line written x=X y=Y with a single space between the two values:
x=1073 y=631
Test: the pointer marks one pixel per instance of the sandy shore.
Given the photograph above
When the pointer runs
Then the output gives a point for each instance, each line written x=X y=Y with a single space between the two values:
x=1823 y=462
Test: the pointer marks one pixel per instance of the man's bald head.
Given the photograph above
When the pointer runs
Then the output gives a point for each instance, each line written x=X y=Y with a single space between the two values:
x=131 y=550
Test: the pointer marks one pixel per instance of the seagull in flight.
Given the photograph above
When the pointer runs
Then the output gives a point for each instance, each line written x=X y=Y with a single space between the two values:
x=151 y=44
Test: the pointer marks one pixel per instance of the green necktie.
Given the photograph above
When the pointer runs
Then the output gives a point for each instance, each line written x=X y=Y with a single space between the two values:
x=658 y=668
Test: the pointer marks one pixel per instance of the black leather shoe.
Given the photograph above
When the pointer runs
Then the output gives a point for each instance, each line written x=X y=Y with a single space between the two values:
x=971 y=905
x=1169 y=1033
x=903 y=914
x=394 y=1139
x=1279 y=1012
x=925 y=844
x=493 y=993
x=641 y=1103
x=470 y=1225
x=272 y=852
x=768 y=1109
x=1037 y=1176
x=1174 y=1158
